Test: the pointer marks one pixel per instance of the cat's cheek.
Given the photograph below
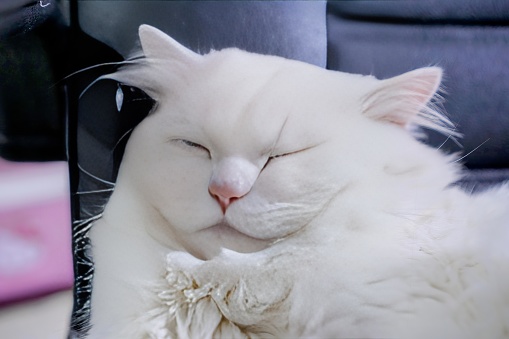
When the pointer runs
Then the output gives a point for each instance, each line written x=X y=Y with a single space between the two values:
x=176 y=191
x=185 y=208
x=267 y=221
x=269 y=215
x=177 y=226
x=287 y=197
x=193 y=216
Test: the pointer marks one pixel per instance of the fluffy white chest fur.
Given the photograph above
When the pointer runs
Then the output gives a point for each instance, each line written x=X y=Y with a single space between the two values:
x=264 y=197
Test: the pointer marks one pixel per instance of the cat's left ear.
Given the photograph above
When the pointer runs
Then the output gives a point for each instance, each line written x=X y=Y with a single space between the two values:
x=404 y=99
x=157 y=44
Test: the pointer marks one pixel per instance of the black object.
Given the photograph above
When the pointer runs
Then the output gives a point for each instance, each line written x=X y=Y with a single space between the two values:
x=39 y=52
x=31 y=106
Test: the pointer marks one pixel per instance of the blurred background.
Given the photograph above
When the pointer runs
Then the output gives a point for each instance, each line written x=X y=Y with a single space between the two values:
x=36 y=273
x=36 y=264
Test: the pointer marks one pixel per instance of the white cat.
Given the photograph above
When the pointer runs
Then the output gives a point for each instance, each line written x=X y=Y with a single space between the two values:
x=265 y=197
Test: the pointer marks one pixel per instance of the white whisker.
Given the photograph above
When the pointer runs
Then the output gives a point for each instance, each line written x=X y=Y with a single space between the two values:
x=472 y=151
x=86 y=221
x=89 y=85
x=439 y=147
x=96 y=191
x=95 y=177
x=121 y=138
x=113 y=63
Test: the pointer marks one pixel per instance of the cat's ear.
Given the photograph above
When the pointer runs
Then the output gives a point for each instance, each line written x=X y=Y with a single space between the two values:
x=405 y=100
x=157 y=44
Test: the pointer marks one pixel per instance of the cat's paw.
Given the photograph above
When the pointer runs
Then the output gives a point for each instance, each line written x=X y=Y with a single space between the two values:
x=182 y=260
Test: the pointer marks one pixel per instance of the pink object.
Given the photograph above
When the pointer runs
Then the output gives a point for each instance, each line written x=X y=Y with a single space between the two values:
x=35 y=230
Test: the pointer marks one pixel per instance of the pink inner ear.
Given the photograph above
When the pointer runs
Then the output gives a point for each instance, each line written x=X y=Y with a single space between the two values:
x=397 y=119
x=400 y=99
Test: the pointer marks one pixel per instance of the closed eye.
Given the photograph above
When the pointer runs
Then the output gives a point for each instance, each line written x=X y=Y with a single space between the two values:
x=191 y=146
x=282 y=155
x=278 y=156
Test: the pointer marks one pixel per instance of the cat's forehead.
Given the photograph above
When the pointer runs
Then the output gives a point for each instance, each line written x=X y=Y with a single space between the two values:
x=246 y=70
x=252 y=97
x=250 y=69
x=246 y=82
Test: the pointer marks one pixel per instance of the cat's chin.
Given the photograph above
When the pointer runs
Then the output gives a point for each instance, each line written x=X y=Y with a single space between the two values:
x=209 y=242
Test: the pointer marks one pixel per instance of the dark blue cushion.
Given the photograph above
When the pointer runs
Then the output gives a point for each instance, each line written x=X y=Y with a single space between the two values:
x=475 y=58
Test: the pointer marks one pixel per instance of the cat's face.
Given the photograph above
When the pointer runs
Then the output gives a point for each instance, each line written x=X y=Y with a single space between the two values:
x=256 y=144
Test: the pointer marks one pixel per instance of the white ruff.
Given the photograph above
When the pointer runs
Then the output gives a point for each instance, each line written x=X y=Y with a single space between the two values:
x=189 y=306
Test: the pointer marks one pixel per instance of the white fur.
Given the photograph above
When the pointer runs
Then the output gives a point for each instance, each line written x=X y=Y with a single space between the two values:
x=338 y=224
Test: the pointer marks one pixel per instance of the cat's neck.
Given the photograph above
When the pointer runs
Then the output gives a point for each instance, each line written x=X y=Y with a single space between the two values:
x=127 y=260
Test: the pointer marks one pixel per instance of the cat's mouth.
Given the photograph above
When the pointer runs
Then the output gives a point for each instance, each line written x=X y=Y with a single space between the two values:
x=224 y=228
x=225 y=235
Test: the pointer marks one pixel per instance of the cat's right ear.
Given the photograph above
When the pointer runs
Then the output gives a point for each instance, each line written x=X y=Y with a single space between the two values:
x=407 y=100
x=158 y=45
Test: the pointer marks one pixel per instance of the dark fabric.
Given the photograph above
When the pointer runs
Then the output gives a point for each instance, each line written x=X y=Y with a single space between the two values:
x=23 y=16
x=431 y=11
x=475 y=60
x=31 y=106
x=292 y=29
x=39 y=54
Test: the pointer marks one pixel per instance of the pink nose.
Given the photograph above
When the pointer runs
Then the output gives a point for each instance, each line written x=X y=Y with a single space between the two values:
x=232 y=178
x=225 y=194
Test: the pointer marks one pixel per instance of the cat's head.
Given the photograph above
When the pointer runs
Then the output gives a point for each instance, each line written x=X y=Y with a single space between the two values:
x=260 y=144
